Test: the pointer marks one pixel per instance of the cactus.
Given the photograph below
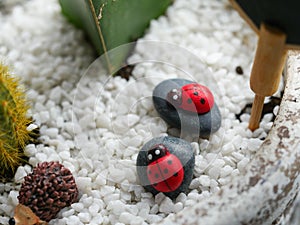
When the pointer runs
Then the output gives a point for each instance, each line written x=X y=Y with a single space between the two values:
x=13 y=123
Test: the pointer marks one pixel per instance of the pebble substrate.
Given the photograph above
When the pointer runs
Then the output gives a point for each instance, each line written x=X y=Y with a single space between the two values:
x=95 y=126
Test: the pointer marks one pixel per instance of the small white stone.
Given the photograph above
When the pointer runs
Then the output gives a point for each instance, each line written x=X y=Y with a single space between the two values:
x=166 y=206
x=51 y=132
x=214 y=172
x=30 y=150
x=31 y=127
x=181 y=198
x=132 y=119
x=151 y=219
x=126 y=218
x=44 y=116
x=74 y=220
x=178 y=207
x=159 y=198
x=204 y=180
x=84 y=217
x=194 y=184
x=242 y=164
x=78 y=206
x=225 y=171
x=227 y=148
x=20 y=174
x=87 y=201
x=13 y=197
x=98 y=219
x=117 y=207
x=68 y=213
x=83 y=183
x=154 y=209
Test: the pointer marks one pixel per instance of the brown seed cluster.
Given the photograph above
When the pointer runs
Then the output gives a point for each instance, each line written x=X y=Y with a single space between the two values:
x=49 y=188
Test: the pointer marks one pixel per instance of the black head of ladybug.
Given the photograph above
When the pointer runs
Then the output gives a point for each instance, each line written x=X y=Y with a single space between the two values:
x=175 y=97
x=156 y=152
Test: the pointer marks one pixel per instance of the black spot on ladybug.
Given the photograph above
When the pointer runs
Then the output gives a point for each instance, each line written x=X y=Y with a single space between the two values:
x=170 y=162
x=189 y=101
x=175 y=174
x=156 y=175
x=196 y=93
x=166 y=171
x=202 y=100
x=149 y=172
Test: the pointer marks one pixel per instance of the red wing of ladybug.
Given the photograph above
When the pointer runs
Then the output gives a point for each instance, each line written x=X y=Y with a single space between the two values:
x=196 y=98
x=165 y=174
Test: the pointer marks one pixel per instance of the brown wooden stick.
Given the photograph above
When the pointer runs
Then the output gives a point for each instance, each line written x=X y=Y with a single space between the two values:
x=256 y=111
x=267 y=68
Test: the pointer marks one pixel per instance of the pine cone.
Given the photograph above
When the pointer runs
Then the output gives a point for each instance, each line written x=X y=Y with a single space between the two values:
x=48 y=189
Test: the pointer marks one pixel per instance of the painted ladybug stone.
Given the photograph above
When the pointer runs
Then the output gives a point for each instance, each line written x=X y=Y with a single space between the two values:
x=166 y=164
x=188 y=106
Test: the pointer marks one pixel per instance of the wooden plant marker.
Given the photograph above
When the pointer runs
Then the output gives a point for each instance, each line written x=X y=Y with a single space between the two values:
x=277 y=23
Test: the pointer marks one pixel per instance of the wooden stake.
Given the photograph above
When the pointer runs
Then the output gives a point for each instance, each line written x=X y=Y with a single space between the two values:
x=267 y=69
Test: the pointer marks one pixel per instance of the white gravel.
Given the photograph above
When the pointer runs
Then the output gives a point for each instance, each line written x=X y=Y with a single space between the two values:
x=95 y=124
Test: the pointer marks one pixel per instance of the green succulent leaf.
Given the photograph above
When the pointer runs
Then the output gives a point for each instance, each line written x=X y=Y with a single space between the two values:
x=111 y=23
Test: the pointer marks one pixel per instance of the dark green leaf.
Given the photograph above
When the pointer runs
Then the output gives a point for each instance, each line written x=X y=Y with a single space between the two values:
x=111 y=23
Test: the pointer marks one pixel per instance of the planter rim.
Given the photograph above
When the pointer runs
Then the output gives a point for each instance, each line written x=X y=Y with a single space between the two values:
x=271 y=179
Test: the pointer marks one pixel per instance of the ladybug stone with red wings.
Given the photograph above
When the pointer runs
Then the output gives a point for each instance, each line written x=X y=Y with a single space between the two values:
x=166 y=164
x=188 y=106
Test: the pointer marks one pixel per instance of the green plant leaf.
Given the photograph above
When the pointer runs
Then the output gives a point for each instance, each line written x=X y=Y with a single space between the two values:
x=111 y=23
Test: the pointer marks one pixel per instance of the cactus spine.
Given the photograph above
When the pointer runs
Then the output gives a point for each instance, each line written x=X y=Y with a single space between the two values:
x=13 y=124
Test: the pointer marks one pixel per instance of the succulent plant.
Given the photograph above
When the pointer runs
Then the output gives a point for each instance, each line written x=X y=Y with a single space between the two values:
x=49 y=188
x=13 y=124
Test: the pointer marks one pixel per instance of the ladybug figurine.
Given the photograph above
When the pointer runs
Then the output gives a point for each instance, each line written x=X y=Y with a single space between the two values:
x=192 y=97
x=164 y=170
x=166 y=164
x=188 y=106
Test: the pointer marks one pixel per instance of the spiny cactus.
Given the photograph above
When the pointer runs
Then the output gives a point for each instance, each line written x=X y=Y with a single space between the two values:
x=13 y=124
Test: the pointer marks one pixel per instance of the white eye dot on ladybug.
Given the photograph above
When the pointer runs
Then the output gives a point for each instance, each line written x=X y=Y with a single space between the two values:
x=174 y=90
x=157 y=152
x=175 y=97
x=150 y=157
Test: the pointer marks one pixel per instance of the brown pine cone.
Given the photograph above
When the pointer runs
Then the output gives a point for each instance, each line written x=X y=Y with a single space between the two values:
x=49 y=188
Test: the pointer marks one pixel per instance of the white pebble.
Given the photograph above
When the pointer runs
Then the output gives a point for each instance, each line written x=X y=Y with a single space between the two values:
x=151 y=219
x=13 y=197
x=159 y=198
x=83 y=183
x=178 y=207
x=242 y=164
x=77 y=206
x=117 y=207
x=84 y=217
x=225 y=171
x=68 y=213
x=20 y=174
x=166 y=206
x=204 y=180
